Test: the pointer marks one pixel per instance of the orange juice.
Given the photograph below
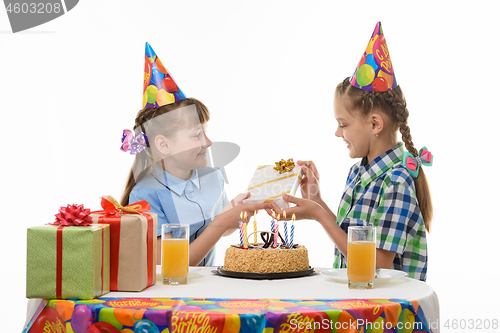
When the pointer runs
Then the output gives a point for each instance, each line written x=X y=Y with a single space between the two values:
x=361 y=261
x=175 y=258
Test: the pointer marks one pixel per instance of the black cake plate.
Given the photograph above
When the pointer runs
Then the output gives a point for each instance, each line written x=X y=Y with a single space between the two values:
x=263 y=276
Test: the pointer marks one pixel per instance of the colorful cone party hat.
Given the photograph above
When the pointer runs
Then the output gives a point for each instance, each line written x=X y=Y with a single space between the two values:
x=159 y=85
x=375 y=71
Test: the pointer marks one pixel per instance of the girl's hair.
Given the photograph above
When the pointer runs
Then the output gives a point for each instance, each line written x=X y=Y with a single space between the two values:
x=393 y=104
x=144 y=161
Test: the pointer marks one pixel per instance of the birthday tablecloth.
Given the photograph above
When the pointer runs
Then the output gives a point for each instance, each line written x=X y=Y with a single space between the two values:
x=247 y=305
x=186 y=315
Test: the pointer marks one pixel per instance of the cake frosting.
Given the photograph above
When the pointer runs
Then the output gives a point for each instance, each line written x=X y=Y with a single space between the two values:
x=260 y=259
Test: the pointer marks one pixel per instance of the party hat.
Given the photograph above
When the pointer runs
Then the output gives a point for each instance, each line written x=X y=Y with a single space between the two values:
x=374 y=71
x=159 y=85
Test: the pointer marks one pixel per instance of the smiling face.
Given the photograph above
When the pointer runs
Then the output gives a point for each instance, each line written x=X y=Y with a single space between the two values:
x=181 y=143
x=188 y=148
x=353 y=128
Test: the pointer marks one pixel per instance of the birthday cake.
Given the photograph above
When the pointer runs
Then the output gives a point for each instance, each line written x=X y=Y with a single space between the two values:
x=264 y=258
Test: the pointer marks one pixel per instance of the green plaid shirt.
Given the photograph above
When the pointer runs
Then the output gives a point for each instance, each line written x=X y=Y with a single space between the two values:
x=382 y=194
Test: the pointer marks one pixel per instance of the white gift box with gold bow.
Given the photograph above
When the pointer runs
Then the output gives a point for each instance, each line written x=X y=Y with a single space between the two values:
x=268 y=184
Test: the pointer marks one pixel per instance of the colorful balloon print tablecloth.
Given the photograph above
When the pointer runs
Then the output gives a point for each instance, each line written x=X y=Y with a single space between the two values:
x=193 y=315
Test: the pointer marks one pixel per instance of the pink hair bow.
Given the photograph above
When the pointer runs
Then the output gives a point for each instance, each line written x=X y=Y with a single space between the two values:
x=413 y=163
x=133 y=144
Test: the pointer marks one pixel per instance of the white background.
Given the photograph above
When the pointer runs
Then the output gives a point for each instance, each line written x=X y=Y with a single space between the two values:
x=267 y=71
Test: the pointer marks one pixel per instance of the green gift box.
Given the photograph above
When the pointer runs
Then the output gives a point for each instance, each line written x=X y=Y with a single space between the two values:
x=67 y=262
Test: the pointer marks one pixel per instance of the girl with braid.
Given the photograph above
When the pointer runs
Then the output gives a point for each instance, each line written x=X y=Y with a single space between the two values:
x=387 y=188
x=170 y=167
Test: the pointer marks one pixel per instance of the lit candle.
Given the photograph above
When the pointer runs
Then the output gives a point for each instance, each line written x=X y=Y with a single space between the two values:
x=272 y=222
x=286 y=231
x=276 y=232
x=255 y=228
x=241 y=230
x=291 y=232
x=245 y=236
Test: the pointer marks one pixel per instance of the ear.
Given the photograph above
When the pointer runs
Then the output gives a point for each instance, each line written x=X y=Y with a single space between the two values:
x=162 y=144
x=377 y=123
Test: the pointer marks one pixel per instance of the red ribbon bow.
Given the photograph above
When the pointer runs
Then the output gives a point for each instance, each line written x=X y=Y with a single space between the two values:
x=73 y=214
x=111 y=207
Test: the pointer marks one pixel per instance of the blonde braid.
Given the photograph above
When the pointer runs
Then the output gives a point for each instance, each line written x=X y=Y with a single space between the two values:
x=398 y=104
x=144 y=115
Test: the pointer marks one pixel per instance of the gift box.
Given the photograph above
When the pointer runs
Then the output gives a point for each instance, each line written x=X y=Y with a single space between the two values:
x=132 y=243
x=67 y=261
x=271 y=182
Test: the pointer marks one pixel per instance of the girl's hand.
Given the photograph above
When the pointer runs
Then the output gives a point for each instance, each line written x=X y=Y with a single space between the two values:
x=220 y=225
x=230 y=215
x=236 y=201
x=304 y=209
x=309 y=186
x=230 y=218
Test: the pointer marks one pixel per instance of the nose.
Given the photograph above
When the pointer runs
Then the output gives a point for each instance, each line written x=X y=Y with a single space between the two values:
x=208 y=142
x=339 y=133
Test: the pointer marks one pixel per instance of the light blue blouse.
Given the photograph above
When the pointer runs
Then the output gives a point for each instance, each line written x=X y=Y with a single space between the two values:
x=196 y=201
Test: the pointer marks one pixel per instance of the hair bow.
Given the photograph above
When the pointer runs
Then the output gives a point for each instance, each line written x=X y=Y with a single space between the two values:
x=413 y=163
x=133 y=144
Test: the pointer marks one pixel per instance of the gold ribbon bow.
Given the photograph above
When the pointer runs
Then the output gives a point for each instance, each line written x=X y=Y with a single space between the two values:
x=284 y=166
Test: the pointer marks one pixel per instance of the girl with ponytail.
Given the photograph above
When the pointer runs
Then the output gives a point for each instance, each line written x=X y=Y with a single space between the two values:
x=170 y=169
x=170 y=172
x=387 y=188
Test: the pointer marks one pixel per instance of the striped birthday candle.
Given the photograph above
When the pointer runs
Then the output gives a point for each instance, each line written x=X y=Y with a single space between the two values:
x=241 y=230
x=276 y=232
x=286 y=230
x=272 y=222
x=245 y=237
x=286 y=236
x=254 y=228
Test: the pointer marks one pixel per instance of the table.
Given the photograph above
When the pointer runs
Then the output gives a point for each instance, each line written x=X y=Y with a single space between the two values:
x=206 y=287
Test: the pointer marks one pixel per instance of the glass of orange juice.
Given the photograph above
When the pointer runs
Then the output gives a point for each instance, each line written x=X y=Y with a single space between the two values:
x=174 y=253
x=361 y=256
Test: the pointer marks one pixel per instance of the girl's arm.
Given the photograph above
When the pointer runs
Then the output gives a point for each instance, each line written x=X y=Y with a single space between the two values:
x=308 y=209
x=309 y=186
x=225 y=221
x=236 y=201
x=384 y=258
x=327 y=209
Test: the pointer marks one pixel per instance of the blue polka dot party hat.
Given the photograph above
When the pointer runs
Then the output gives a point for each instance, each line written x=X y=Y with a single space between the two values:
x=374 y=71
x=159 y=85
